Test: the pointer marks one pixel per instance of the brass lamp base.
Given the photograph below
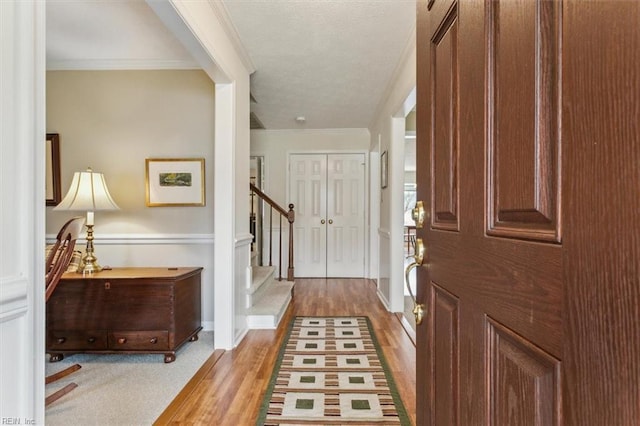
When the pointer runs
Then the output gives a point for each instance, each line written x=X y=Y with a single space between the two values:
x=89 y=262
x=88 y=266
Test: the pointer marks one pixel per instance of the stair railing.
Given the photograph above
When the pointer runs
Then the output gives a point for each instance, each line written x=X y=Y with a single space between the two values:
x=290 y=216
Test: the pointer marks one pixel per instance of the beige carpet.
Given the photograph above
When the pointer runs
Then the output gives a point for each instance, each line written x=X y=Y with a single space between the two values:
x=123 y=389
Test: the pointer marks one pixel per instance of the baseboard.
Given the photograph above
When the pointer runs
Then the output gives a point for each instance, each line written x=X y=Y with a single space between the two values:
x=407 y=327
x=240 y=336
x=383 y=299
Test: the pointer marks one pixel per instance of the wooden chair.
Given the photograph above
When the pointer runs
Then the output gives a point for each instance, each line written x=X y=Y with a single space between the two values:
x=57 y=262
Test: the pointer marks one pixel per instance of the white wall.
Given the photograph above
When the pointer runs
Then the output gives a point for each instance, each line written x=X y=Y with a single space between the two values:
x=112 y=121
x=387 y=134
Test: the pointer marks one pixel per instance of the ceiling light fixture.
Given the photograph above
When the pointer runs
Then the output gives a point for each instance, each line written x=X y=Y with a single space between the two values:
x=301 y=119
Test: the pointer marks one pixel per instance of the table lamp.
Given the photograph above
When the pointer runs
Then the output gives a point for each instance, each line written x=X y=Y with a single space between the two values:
x=88 y=192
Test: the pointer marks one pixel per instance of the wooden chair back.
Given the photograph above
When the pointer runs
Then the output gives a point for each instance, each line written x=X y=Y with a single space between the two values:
x=60 y=255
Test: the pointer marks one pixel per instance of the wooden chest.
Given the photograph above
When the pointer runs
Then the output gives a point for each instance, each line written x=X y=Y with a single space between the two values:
x=124 y=310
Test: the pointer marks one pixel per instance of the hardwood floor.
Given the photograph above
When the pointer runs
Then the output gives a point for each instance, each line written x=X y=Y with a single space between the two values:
x=229 y=388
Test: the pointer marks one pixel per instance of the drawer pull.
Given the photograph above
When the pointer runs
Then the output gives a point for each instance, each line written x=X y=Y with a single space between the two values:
x=91 y=340
x=122 y=340
x=107 y=285
x=153 y=340
x=61 y=340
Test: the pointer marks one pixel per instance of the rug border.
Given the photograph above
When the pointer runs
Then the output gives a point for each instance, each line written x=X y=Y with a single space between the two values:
x=395 y=395
x=264 y=407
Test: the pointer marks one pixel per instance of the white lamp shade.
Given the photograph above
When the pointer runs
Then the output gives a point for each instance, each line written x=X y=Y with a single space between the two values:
x=88 y=192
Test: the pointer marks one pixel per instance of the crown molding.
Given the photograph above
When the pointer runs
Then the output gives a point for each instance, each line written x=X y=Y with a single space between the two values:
x=120 y=64
x=222 y=13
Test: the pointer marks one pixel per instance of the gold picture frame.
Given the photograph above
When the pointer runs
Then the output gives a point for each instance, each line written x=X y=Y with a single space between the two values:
x=173 y=182
x=52 y=188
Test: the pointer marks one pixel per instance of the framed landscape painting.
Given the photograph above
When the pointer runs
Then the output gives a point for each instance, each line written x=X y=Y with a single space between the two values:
x=174 y=182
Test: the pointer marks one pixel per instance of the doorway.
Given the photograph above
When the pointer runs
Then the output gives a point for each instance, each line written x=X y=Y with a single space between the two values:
x=410 y=188
x=328 y=191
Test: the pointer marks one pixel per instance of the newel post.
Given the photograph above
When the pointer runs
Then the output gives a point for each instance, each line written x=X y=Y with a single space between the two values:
x=291 y=217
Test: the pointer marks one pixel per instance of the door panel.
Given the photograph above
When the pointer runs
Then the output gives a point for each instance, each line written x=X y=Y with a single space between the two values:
x=445 y=360
x=523 y=129
x=444 y=156
x=524 y=381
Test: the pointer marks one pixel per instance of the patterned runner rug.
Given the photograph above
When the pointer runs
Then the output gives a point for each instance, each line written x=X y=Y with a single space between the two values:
x=331 y=370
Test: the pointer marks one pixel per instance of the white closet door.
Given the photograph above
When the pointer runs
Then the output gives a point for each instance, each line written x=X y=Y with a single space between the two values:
x=345 y=215
x=308 y=189
x=328 y=194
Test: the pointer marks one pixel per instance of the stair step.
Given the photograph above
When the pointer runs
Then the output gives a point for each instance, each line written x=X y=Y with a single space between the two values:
x=260 y=275
x=268 y=311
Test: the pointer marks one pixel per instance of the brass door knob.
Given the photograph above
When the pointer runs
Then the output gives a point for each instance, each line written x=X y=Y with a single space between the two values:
x=418 y=214
x=330 y=221
x=322 y=221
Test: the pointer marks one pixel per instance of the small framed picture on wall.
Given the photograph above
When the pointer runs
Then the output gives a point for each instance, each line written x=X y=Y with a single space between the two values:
x=174 y=182
x=384 y=170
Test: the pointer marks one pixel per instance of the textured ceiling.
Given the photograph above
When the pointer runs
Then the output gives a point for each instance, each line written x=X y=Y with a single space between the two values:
x=327 y=60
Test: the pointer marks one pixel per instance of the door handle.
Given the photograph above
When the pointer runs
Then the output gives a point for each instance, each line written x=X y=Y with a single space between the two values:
x=330 y=221
x=322 y=222
x=418 y=256
x=418 y=308
x=418 y=214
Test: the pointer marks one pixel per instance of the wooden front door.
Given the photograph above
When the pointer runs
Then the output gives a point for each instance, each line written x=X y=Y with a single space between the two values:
x=528 y=151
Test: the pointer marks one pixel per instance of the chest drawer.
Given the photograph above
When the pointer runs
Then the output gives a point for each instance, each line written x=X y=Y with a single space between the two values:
x=139 y=340
x=85 y=340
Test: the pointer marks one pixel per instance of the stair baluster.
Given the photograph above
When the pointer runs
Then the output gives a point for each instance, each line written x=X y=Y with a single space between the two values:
x=290 y=215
